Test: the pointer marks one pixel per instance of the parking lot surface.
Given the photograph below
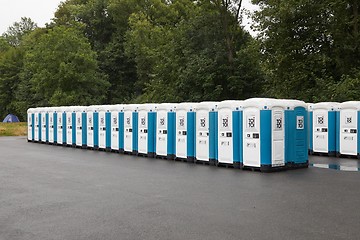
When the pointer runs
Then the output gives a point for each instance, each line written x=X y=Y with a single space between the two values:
x=52 y=192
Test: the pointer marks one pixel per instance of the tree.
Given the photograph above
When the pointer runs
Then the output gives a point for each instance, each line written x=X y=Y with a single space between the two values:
x=62 y=69
x=16 y=32
x=11 y=64
x=309 y=46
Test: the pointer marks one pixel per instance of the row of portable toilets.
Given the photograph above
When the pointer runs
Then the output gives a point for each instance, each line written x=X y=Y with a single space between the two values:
x=265 y=134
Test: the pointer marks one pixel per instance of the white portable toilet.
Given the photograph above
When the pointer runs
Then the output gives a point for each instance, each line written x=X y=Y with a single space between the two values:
x=264 y=134
x=323 y=128
x=205 y=132
x=69 y=125
x=146 y=129
x=37 y=131
x=130 y=128
x=44 y=125
x=348 y=128
x=165 y=130
x=31 y=123
x=92 y=126
x=61 y=125
x=51 y=121
x=229 y=131
x=117 y=120
x=185 y=131
x=104 y=127
x=80 y=123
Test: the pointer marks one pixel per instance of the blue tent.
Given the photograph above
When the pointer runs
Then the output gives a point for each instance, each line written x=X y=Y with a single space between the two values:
x=11 y=118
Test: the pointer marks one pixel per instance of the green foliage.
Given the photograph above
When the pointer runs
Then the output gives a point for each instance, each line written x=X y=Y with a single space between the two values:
x=308 y=46
x=62 y=69
x=18 y=30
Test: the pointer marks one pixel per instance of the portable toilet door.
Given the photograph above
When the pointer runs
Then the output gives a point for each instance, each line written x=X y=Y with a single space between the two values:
x=117 y=113
x=348 y=127
x=263 y=134
x=185 y=132
x=146 y=130
x=229 y=131
x=205 y=132
x=80 y=126
x=296 y=134
x=92 y=126
x=31 y=123
x=104 y=127
x=165 y=130
x=37 y=131
x=51 y=112
x=60 y=125
x=324 y=128
x=44 y=125
x=69 y=126
x=130 y=128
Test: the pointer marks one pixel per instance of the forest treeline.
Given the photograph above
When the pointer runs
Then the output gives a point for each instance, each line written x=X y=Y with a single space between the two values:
x=124 y=51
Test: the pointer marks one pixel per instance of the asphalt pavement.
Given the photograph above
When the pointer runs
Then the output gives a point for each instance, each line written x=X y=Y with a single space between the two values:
x=51 y=192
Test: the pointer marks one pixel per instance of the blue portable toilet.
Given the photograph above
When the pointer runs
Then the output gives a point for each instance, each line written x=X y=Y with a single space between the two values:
x=130 y=128
x=105 y=127
x=31 y=123
x=348 y=125
x=44 y=125
x=146 y=129
x=229 y=133
x=323 y=128
x=205 y=132
x=117 y=127
x=185 y=131
x=165 y=130
x=296 y=134
x=92 y=123
x=80 y=126
x=264 y=134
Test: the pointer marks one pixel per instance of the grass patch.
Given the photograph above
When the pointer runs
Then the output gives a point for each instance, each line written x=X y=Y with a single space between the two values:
x=13 y=129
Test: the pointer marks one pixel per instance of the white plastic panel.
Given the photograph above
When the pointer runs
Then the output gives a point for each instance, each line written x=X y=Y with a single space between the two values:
x=320 y=131
x=43 y=126
x=348 y=132
x=30 y=126
x=115 y=130
x=36 y=132
x=79 y=128
x=69 y=127
x=59 y=127
x=278 y=137
x=51 y=126
x=181 y=134
x=202 y=135
x=143 y=131
x=128 y=128
x=102 y=130
x=161 y=133
x=251 y=137
x=225 y=136
x=90 y=128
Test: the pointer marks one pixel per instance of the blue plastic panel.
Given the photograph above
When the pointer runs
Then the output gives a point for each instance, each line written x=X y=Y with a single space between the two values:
x=108 y=129
x=236 y=133
x=151 y=132
x=135 y=120
x=171 y=141
x=265 y=137
x=191 y=121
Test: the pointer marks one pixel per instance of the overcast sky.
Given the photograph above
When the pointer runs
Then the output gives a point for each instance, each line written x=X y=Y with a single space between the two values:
x=41 y=11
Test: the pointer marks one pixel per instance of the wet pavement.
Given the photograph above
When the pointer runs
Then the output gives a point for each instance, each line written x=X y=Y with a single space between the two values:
x=49 y=192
